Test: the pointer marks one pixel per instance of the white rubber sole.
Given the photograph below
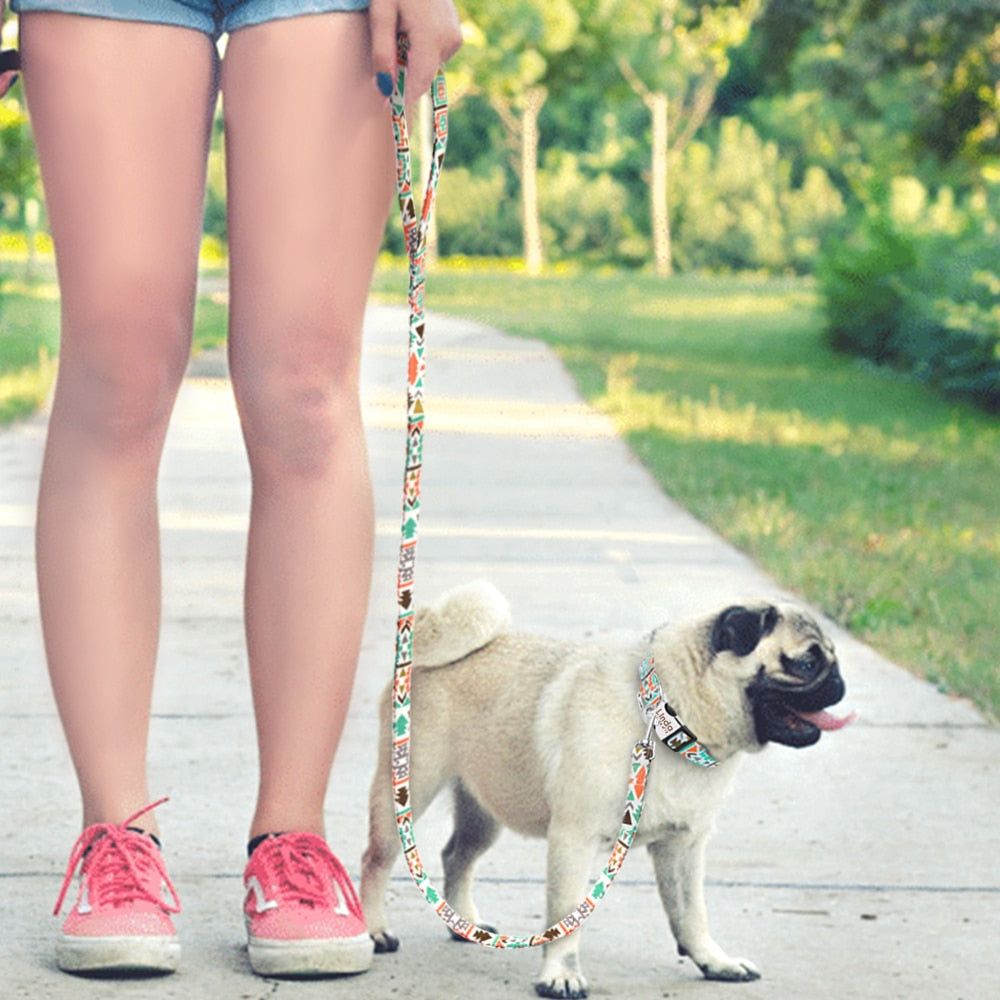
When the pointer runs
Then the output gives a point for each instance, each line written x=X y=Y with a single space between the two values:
x=319 y=957
x=150 y=955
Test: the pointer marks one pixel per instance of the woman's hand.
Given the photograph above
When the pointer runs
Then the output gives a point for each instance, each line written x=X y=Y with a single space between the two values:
x=435 y=36
x=8 y=76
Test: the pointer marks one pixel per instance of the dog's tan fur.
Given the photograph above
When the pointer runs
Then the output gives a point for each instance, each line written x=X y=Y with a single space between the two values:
x=536 y=735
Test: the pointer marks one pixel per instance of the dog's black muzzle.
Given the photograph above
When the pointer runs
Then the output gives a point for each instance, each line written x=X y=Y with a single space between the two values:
x=789 y=708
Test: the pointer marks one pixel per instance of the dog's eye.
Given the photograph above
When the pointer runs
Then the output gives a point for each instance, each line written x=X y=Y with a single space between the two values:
x=806 y=667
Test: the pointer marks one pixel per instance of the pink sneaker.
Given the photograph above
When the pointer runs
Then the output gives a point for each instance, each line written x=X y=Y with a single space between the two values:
x=120 y=922
x=302 y=914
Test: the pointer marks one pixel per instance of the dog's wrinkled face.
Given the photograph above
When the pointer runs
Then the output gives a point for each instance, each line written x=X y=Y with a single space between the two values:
x=792 y=670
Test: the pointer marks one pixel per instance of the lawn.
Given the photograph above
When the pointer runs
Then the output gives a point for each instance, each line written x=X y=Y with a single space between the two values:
x=29 y=342
x=873 y=498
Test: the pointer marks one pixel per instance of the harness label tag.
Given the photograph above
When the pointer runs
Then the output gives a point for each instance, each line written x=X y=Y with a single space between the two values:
x=656 y=712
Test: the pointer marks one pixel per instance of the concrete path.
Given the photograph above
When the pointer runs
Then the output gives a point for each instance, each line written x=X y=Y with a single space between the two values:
x=867 y=867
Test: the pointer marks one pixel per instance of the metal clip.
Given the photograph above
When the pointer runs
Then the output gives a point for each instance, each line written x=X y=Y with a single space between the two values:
x=647 y=742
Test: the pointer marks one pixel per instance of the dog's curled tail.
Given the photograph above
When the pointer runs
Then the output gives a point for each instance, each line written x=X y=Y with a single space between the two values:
x=461 y=621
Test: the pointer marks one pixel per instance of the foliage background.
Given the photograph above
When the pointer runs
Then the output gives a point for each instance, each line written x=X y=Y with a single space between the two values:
x=820 y=377
x=855 y=140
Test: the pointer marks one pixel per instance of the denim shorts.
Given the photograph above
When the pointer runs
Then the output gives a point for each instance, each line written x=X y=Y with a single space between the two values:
x=214 y=17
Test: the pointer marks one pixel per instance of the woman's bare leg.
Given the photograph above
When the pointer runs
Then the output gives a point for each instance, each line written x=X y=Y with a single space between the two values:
x=311 y=167
x=120 y=114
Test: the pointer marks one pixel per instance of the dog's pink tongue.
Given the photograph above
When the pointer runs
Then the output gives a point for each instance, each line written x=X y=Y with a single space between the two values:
x=827 y=721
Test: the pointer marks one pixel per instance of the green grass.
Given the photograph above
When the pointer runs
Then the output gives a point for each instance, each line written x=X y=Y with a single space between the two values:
x=29 y=342
x=873 y=498
x=210 y=319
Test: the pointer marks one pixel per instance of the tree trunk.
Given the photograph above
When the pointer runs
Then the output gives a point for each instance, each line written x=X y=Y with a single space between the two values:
x=658 y=104
x=534 y=98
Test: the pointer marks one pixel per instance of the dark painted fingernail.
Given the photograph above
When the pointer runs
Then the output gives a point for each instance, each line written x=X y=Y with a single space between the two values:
x=384 y=83
x=13 y=80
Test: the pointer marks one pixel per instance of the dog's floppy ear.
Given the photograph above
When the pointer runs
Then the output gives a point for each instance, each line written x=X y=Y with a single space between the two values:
x=739 y=629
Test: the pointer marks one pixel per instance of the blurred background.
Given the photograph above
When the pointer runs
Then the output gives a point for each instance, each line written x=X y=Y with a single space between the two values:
x=763 y=236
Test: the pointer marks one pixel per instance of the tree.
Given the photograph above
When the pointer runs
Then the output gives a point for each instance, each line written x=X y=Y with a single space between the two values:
x=943 y=61
x=507 y=53
x=19 y=179
x=673 y=54
x=875 y=89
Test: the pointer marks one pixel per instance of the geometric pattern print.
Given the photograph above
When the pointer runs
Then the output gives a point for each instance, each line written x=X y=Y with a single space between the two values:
x=656 y=712
x=415 y=235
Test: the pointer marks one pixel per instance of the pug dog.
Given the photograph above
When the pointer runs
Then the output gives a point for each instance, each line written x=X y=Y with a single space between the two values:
x=536 y=734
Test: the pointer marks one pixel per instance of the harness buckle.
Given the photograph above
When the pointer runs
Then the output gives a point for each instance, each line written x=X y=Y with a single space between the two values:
x=647 y=742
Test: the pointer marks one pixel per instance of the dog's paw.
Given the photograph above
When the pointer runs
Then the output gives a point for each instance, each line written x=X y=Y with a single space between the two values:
x=565 y=987
x=385 y=942
x=733 y=970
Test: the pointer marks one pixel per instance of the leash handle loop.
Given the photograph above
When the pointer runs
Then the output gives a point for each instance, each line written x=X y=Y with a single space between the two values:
x=415 y=234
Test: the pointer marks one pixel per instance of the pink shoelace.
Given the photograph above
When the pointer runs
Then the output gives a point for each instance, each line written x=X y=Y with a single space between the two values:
x=304 y=866
x=129 y=864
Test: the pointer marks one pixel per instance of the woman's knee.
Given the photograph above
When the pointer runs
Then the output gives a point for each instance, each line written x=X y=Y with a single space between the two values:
x=123 y=356
x=297 y=423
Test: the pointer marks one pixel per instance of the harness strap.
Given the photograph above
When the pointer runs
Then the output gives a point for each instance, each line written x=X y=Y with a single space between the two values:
x=415 y=233
x=657 y=714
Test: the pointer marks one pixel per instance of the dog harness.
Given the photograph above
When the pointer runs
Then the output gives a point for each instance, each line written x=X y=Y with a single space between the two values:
x=415 y=234
x=665 y=722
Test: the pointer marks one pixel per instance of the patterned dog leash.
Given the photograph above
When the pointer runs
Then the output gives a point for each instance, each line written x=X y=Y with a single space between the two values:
x=415 y=233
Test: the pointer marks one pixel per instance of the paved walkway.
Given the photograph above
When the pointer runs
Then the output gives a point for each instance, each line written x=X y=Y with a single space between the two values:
x=868 y=867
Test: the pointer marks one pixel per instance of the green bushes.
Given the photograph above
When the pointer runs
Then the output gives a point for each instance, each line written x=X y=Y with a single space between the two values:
x=586 y=215
x=913 y=282
x=736 y=206
x=476 y=215
x=18 y=165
